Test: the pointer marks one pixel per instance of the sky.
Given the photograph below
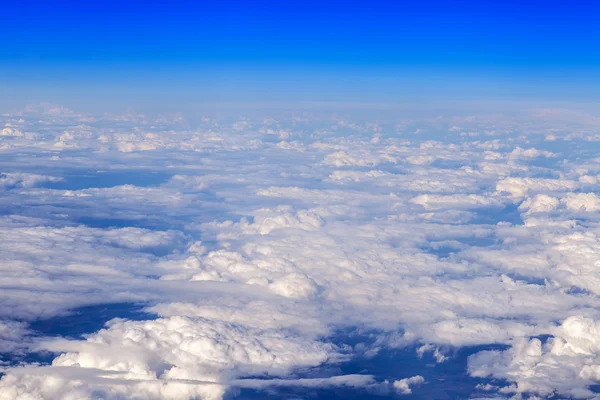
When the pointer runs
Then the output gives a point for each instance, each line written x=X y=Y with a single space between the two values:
x=299 y=201
x=97 y=53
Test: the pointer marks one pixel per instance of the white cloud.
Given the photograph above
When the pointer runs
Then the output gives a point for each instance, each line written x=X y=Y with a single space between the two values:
x=271 y=235
x=403 y=386
x=568 y=362
x=462 y=201
x=24 y=180
x=539 y=203
x=588 y=202
x=521 y=187
x=530 y=153
x=12 y=337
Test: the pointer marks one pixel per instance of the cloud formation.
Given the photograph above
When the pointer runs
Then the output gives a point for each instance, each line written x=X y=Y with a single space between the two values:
x=255 y=241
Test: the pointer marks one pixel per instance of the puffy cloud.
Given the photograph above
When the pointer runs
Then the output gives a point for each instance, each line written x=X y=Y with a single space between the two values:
x=420 y=160
x=566 y=363
x=463 y=201
x=265 y=237
x=429 y=180
x=47 y=270
x=12 y=337
x=588 y=202
x=591 y=180
x=539 y=203
x=24 y=180
x=521 y=187
x=10 y=132
x=530 y=153
x=403 y=386
x=179 y=349
x=341 y=159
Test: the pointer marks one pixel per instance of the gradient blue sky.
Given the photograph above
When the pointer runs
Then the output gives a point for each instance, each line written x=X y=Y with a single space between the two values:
x=185 y=51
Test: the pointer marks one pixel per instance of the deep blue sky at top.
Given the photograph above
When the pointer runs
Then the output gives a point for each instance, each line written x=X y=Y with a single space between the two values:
x=310 y=50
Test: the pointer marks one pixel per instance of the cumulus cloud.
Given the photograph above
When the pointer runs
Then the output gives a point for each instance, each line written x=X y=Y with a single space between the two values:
x=520 y=187
x=12 y=335
x=539 y=203
x=263 y=238
x=403 y=386
x=589 y=202
x=24 y=180
x=470 y=201
x=530 y=153
x=10 y=132
x=567 y=362
x=184 y=349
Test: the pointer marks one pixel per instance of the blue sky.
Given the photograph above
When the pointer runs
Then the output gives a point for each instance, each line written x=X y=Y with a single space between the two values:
x=375 y=51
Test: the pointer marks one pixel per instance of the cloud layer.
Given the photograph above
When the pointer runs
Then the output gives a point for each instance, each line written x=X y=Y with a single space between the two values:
x=255 y=240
